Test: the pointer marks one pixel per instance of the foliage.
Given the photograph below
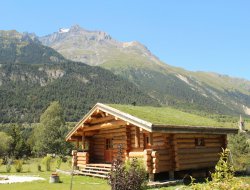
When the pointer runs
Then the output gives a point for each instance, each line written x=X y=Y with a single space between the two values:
x=131 y=176
x=39 y=167
x=5 y=144
x=8 y=165
x=1 y=162
x=223 y=177
x=224 y=170
x=75 y=85
x=47 y=162
x=19 y=147
x=58 y=162
x=240 y=149
x=51 y=132
x=18 y=165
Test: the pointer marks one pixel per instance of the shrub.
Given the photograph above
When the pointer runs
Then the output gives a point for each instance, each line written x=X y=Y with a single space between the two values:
x=1 y=162
x=8 y=165
x=129 y=176
x=47 y=162
x=39 y=167
x=223 y=177
x=58 y=163
x=224 y=168
x=18 y=165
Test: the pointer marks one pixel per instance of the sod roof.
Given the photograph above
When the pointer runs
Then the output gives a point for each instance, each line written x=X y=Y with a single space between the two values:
x=168 y=116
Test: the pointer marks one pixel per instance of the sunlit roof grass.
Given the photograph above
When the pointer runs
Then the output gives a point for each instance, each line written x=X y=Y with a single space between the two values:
x=168 y=116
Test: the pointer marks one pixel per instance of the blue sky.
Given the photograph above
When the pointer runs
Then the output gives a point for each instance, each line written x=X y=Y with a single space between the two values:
x=196 y=35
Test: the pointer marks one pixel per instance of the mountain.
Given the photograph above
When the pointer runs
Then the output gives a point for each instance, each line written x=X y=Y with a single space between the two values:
x=172 y=86
x=18 y=47
x=32 y=75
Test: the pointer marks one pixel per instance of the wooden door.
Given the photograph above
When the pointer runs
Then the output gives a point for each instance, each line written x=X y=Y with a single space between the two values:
x=108 y=152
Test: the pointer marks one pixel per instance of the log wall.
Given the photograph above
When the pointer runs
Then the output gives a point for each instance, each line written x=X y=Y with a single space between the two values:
x=119 y=136
x=190 y=156
x=80 y=159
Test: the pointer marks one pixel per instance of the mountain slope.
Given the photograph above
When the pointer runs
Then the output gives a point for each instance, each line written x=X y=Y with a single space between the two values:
x=27 y=87
x=25 y=48
x=169 y=85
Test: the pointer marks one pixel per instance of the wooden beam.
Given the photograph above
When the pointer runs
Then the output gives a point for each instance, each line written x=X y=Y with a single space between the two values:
x=83 y=140
x=101 y=119
x=104 y=125
x=137 y=137
x=77 y=144
x=150 y=135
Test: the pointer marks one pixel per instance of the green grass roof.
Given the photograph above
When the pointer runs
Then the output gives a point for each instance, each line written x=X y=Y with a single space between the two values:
x=168 y=116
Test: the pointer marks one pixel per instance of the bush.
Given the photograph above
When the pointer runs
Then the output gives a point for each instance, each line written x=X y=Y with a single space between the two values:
x=58 y=163
x=240 y=149
x=129 y=176
x=47 y=162
x=1 y=162
x=18 y=165
x=8 y=165
x=39 y=167
x=223 y=177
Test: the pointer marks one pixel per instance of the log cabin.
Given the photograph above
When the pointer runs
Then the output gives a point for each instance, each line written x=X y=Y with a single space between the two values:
x=167 y=140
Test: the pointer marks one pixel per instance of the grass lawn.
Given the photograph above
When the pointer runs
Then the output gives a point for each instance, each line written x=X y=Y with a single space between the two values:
x=168 y=116
x=79 y=182
x=30 y=169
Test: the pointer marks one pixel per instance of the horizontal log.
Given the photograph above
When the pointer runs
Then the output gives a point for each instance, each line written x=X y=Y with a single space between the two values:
x=195 y=166
x=196 y=155
x=213 y=144
x=164 y=157
x=82 y=153
x=82 y=158
x=199 y=150
x=163 y=169
x=154 y=154
x=198 y=160
x=136 y=154
x=187 y=140
x=176 y=136
x=82 y=162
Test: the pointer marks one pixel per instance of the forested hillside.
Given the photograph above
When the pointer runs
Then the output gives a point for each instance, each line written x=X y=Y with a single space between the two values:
x=171 y=86
x=33 y=75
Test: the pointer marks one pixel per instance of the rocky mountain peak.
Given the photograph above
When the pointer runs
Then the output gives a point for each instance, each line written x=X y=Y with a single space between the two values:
x=76 y=28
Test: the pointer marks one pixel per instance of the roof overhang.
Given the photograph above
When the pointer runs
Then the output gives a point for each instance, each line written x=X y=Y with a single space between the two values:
x=147 y=125
x=193 y=129
x=116 y=113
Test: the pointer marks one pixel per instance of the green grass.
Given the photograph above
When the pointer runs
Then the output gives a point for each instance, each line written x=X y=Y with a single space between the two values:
x=168 y=116
x=30 y=169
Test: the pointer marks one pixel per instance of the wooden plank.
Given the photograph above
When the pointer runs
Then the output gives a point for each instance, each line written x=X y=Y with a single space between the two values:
x=105 y=125
x=137 y=137
x=101 y=119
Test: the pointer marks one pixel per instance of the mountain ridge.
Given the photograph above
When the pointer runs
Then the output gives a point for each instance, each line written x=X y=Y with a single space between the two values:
x=30 y=80
x=170 y=85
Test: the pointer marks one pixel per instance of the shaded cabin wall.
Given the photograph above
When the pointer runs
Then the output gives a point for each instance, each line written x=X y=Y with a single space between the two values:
x=162 y=160
x=97 y=147
x=190 y=156
x=159 y=158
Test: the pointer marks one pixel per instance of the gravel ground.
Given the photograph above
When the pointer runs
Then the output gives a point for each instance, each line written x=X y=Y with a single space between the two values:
x=18 y=179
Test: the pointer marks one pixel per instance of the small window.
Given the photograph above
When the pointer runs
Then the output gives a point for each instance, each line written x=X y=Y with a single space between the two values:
x=109 y=144
x=147 y=141
x=199 y=142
